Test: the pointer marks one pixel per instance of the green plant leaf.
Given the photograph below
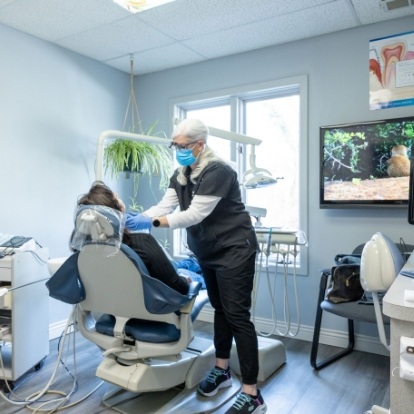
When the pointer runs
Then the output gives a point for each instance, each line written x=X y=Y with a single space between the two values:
x=134 y=156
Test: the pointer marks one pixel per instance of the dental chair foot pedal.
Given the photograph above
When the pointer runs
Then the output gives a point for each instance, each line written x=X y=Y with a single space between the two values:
x=272 y=356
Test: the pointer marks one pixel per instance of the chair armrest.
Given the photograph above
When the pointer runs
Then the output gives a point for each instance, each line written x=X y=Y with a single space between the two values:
x=323 y=284
x=325 y=275
x=193 y=289
x=188 y=307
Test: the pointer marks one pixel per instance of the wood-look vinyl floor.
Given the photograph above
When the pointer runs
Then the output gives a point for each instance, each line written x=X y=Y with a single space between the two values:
x=349 y=386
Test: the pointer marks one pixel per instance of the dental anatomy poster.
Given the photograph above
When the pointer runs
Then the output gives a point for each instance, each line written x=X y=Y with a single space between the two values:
x=391 y=71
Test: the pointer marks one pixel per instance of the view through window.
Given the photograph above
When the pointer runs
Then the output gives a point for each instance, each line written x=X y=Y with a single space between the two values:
x=273 y=116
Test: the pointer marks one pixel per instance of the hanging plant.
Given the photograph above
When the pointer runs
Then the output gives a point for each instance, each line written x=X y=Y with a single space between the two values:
x=124 y=155
x=130 y=156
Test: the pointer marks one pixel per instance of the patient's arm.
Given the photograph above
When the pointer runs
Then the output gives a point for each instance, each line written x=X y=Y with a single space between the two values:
x=157 y=263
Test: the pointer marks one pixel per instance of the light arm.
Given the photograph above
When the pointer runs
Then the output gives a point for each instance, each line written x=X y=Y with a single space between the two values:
x=228 y=135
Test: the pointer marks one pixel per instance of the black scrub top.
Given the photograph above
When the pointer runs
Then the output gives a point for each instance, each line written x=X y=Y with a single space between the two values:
x=225 y=238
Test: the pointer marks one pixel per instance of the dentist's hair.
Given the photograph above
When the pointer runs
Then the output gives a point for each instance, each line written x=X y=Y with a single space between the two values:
x=193 y=129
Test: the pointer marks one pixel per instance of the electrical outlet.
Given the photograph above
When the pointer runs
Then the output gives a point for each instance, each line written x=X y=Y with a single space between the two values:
x=407 y=358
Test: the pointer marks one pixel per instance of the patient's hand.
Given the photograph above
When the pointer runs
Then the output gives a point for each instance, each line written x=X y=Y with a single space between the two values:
x=187 y=278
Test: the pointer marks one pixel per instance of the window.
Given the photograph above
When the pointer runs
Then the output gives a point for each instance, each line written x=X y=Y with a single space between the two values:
x=218 y=117
x=275 y=120
x=275 y=113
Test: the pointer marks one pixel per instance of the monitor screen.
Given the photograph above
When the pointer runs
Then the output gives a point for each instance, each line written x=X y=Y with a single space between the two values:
x=411 y=190
x=366 y=164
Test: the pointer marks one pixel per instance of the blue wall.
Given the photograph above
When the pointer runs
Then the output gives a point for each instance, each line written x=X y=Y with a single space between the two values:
x=54 y=104
x=337 y=70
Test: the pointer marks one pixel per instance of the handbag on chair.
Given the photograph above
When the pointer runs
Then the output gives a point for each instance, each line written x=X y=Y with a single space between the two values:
x=345 y=280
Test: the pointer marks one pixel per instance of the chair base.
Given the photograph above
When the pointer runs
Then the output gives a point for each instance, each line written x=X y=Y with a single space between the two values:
x=315 y=347
x=175 y=400
x=164 y=385
x=160 y=373
x=272 y=356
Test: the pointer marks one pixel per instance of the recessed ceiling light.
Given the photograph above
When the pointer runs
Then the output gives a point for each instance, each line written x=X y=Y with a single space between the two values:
x=136 y=6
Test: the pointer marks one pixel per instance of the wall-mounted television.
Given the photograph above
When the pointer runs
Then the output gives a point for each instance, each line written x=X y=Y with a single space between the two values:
x=411 y=191
x=366 y=164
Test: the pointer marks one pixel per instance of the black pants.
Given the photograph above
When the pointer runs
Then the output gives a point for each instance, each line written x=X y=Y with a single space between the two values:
x=230 y=295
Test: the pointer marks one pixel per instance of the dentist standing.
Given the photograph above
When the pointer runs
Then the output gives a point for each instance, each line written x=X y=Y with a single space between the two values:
x=220 y=234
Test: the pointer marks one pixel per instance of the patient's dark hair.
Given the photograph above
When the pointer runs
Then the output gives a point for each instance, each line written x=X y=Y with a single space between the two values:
x=100 y=194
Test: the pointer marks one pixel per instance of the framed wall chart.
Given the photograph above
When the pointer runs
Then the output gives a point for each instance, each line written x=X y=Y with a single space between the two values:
x=391 y=71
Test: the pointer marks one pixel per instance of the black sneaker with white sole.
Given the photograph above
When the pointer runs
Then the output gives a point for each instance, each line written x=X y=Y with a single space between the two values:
x=217 y=378
x=247 y=404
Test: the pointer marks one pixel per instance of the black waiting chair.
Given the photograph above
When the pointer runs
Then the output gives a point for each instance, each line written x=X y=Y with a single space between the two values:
x=352 y=311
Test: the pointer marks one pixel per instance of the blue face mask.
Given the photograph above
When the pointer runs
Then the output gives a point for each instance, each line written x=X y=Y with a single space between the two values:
x=185 y=157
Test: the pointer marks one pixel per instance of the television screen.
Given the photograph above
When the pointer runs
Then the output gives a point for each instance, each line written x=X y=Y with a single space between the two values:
x=366 y=164
x=411 y=191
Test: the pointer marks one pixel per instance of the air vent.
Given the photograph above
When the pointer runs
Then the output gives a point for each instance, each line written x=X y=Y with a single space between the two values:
x=389 y=5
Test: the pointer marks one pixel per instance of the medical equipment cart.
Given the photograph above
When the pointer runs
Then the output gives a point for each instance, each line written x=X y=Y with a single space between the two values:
x=24 y=310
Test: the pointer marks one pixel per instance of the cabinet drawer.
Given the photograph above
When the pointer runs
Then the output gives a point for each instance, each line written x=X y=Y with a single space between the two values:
x=5 y=274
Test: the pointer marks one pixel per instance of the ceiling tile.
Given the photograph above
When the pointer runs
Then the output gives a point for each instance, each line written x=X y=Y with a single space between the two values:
x=194 y=18
x=184 y=31
x=5 y=2
x=273 y=31
x=119 y=38
x=158 y=59
x=55 y=19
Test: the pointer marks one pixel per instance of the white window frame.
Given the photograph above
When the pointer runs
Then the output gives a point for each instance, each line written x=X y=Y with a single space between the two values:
x=235 y=97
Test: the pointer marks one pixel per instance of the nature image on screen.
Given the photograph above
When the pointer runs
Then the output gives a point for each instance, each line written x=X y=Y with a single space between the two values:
x=366 y=163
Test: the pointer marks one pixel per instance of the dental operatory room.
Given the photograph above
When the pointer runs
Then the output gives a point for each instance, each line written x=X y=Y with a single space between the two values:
x=126 y=268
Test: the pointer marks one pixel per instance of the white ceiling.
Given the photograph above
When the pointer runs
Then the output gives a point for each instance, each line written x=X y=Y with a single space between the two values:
x=185 y=31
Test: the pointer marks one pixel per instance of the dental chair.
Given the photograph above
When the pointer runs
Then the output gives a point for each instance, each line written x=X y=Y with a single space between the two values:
x=144 y=328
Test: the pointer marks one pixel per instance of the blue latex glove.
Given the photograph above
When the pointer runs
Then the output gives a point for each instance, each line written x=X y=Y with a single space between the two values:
x=137 y=221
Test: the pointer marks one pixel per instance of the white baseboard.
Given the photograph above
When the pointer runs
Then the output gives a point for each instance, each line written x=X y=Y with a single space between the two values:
x=56 y=329
x=328 y=337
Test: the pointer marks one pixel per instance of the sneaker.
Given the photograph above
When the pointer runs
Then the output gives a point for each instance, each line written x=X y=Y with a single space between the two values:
x=217 y=379
x=246 y=404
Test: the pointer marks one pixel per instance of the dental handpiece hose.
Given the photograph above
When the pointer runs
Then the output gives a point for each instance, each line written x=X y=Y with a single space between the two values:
x=4 y=291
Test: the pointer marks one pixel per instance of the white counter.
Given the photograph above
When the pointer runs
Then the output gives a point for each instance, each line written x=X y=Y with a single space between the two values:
x=402 y=324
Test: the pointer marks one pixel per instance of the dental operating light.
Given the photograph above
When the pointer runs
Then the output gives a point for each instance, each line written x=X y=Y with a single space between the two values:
x=257 y=177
